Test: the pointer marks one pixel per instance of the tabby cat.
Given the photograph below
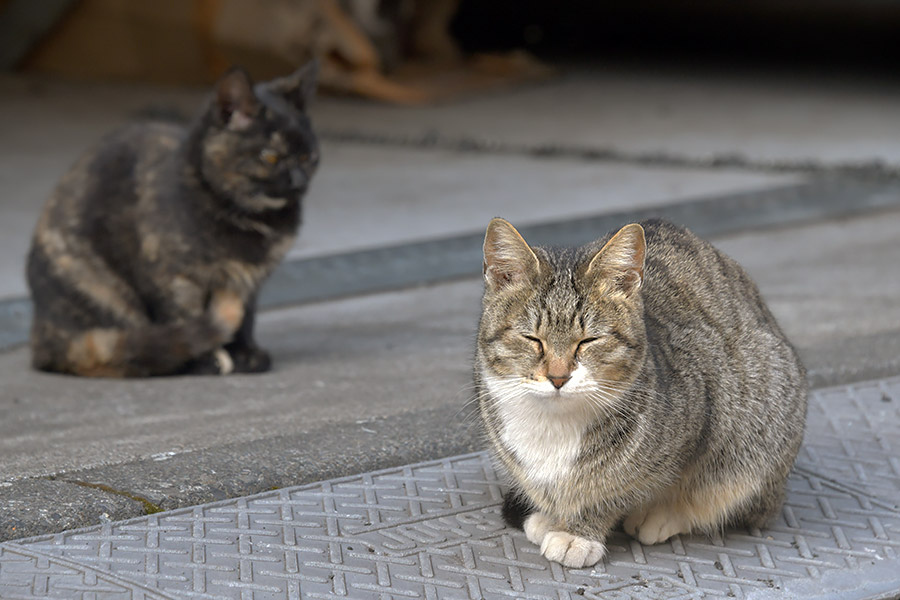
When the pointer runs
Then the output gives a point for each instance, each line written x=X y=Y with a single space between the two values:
x=149 y=254
x=640 y=377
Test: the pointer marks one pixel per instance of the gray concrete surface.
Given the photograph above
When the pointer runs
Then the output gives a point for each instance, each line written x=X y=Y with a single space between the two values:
x=382 y=380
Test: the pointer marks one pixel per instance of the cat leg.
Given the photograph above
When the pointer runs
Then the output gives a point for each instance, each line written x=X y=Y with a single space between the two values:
x=241 y=354
x=182 y=300
x=536 y=527
x=228 y=312
x=246 y=355
x=563 y=547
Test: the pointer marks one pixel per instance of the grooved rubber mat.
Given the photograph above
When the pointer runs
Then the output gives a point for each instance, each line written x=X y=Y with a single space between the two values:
x=433 y=530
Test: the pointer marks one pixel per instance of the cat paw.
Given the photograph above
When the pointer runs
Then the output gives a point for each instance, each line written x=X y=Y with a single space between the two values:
x=571 y=550
x=536 y=526
x=217 y=362
x=250 y=359
x=633 y=522
x=223 y=361
x=655 y=526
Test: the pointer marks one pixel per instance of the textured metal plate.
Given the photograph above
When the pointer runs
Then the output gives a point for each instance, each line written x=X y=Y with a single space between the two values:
x=433 y=530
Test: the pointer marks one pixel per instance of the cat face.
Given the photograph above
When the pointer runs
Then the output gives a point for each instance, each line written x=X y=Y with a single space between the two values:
x=560 y=325
x=258 y=150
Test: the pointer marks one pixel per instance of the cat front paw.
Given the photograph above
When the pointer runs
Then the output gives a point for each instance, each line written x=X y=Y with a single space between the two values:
x=217 y=362
x=633 y=522
x=223 y=361
x=250 y=359
x=571 y=550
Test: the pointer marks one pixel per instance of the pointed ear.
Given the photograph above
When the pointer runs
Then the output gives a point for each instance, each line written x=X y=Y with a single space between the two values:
x=621 y=261
x=508 y=259
x=235 y=104
x=299 y=87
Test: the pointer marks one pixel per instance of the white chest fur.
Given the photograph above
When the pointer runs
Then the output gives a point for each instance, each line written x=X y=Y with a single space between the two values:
x=544 y=432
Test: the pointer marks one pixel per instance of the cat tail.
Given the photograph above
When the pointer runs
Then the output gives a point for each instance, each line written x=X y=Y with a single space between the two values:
x=137 y=351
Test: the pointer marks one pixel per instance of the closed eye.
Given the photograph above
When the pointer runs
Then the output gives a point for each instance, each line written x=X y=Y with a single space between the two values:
x=584 y=343
x=539 y=345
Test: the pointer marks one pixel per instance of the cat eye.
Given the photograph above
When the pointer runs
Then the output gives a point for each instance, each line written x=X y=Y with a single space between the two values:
x=539 y=345
x=267 y=155
x=584 y=343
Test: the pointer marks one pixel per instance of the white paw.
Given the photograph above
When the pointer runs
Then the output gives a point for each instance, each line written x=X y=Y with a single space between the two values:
x=223 y=360
x=536 y=526
x=655 y=526
x=571 y=550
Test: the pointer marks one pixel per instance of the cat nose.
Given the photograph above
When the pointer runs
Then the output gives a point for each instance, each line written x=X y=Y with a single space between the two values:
x=558 y=382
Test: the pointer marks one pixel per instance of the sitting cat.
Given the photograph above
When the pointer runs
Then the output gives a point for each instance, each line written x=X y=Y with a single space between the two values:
x=149 y=254
x=638 y=377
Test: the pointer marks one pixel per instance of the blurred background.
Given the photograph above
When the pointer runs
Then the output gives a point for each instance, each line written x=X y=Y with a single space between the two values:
x=413 y=43
x=416 y=44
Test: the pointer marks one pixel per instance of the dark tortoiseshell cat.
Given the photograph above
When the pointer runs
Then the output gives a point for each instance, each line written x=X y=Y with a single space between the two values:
x=149 y=254
x=640 y=377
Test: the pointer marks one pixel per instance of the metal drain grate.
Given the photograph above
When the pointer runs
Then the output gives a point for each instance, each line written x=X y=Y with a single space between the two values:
x=433 y=530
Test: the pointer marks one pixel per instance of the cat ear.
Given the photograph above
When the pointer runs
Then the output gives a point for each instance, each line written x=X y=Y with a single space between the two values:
x=508 y=259
x=235 y=103
x=621 y=260
x=299 y=87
